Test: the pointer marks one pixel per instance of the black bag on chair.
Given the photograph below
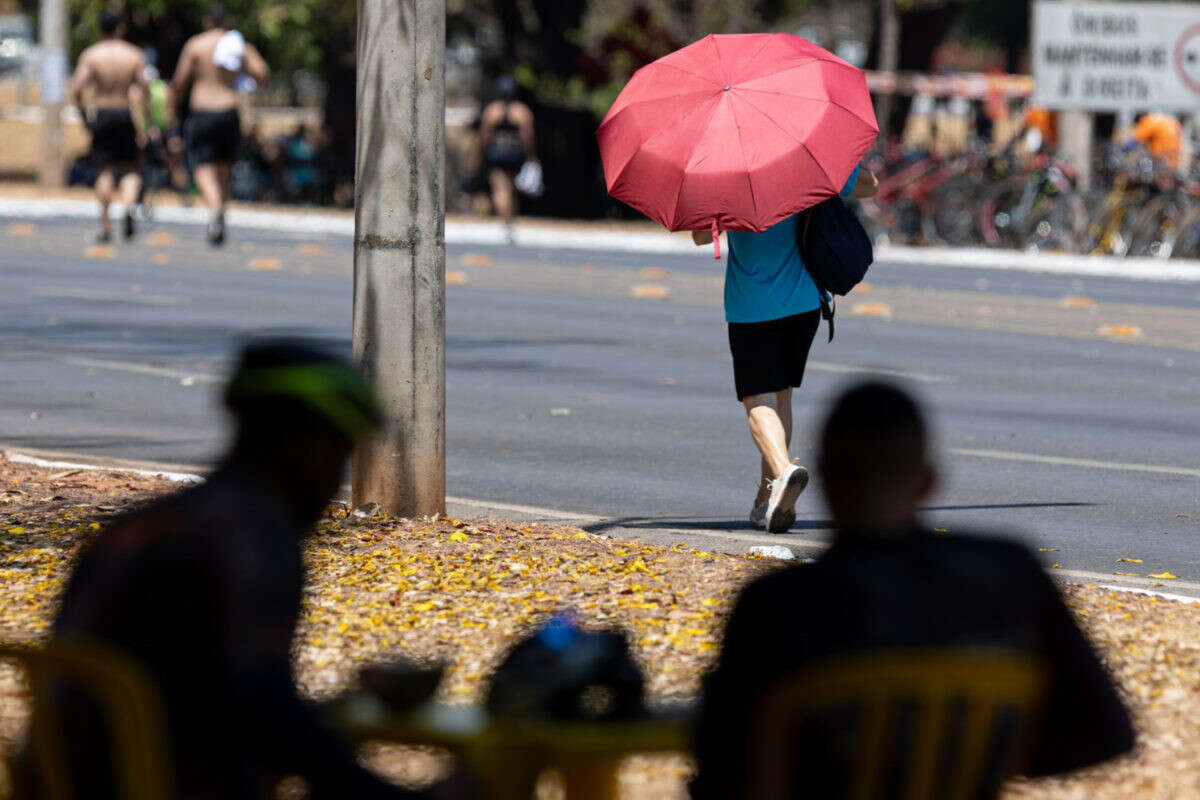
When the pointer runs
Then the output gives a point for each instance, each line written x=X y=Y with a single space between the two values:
x=836 y=251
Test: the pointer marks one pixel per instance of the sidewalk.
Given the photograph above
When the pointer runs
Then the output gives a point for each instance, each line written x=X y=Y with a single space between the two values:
x=26 y=201
x=463 y=590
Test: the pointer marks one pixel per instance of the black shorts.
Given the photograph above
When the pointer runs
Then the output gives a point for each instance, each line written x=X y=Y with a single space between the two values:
x=213 y=136
x=114 y=139
x=770 y=356
x=505 y=154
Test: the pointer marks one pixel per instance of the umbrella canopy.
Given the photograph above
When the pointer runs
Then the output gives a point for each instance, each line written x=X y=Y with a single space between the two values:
x=736 y=132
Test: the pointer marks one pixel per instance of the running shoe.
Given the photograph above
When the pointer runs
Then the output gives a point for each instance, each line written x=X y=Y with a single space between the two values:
x=785 y=490
x=216 y=230
x=128 y=229
x=758 y=516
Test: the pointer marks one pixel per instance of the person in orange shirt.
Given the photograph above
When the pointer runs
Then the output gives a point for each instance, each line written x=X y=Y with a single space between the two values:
x=1161 y=135
x=1045 y=122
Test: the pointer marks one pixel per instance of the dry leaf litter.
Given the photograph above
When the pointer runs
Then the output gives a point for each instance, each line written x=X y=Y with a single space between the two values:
x=463 y=591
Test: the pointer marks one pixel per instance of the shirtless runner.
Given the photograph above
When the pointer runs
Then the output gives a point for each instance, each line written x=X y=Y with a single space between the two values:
x=113 y=70
x=211 y=68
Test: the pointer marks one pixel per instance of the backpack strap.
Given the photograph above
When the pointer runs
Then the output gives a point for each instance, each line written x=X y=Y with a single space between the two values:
x=828 y=309
x=828 y=303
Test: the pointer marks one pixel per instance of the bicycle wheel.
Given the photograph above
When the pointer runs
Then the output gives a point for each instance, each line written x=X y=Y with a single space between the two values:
x=954 y=213
x=996 y=217
x=1155 y=228
x=1188 y=243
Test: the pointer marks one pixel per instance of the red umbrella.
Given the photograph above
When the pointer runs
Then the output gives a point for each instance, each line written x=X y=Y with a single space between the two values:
x=736 y=132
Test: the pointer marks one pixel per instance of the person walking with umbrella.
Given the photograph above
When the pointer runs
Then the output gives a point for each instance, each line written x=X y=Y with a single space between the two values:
x=741 y=133
x=773 y=310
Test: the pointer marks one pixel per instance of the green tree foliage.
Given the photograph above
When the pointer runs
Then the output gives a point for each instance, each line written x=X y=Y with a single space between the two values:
x=292 y=34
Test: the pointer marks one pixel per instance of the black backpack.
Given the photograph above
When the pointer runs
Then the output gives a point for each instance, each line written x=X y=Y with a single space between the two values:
x=836 y=250
x=562 y=672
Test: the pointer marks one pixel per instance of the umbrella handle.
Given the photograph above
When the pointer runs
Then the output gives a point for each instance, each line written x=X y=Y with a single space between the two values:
x=716 y=234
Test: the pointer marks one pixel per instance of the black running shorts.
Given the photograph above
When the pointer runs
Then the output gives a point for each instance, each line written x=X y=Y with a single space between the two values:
x=114 y=139
x=770 y=356
x=213 y=136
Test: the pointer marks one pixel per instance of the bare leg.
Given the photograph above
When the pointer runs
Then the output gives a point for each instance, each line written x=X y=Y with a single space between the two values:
x=104 y=193
x=783 y=407
x=213 y=182
x=131 y=187
x=225 y=175
x=208 y=181
x=504 y=199
x=768 y=431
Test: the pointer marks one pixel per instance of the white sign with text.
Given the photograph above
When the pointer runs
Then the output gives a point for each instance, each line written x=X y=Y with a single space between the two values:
x=1101 y=56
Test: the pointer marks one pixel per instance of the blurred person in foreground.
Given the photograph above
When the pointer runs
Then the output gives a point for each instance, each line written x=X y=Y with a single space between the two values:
x=888 y=582
x=213 y=67
x=508 y=144
x=114 y=72
x=204 y=588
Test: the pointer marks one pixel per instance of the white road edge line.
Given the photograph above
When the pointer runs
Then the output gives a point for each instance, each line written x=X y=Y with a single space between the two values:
x=109 y=296
x=144 y=369
x=922 y=377
x=1063 y=461
x=1099 y=578
x=467 y=232
x=175 y=477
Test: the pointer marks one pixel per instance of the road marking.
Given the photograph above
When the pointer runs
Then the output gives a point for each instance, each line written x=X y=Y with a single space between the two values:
x=1073 y=301
x=1178 y=598
x=456 y=277
x=882 y=310
x=655 y=273
x=22 y=229
x=100 y=251
x=160 y=239
x=161 y=259
x=184 y=377
x=1063 y=461
x=311 y=249
x=1119 y=331
x=536 y=511
x=265 y=265
x=176 y=477
x=853 y=369
x=109 y=296
x=475 y=260
x=650 y=291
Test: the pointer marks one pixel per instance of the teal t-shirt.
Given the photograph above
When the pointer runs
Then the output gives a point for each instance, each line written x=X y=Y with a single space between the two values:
x=765 y=278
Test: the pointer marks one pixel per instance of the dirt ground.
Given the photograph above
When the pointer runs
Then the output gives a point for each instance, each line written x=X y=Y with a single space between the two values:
x=461 y=591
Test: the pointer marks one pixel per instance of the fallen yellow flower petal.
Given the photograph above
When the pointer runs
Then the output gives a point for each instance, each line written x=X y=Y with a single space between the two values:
x=1166 y=576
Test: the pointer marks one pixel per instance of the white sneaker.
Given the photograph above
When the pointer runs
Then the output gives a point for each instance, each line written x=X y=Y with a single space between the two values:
x=758 y=515
x=781 y=507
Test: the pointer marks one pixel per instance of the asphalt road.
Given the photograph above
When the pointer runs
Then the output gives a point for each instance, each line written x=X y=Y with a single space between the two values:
x=1071 y=422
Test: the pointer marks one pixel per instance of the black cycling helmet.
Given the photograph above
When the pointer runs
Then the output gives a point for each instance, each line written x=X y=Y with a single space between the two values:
x=286 y=371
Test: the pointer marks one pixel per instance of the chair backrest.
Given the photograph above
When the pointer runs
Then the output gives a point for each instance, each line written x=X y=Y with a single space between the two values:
x=128 y=700
x=917 y=725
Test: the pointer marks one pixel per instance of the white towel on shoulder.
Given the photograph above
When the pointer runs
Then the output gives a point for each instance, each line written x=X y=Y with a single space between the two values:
x=228 y=52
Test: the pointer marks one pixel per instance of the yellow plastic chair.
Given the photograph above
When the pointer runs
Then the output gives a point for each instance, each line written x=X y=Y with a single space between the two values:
x=126 y=695
x=966 y=717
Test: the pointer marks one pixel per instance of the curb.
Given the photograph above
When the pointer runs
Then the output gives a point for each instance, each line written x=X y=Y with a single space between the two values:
x=554 y=237
x=150 y=470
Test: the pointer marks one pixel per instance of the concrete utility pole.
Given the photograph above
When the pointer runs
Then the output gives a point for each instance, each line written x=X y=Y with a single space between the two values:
x=52 y=33
x=400 y=251
x=889 y=61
